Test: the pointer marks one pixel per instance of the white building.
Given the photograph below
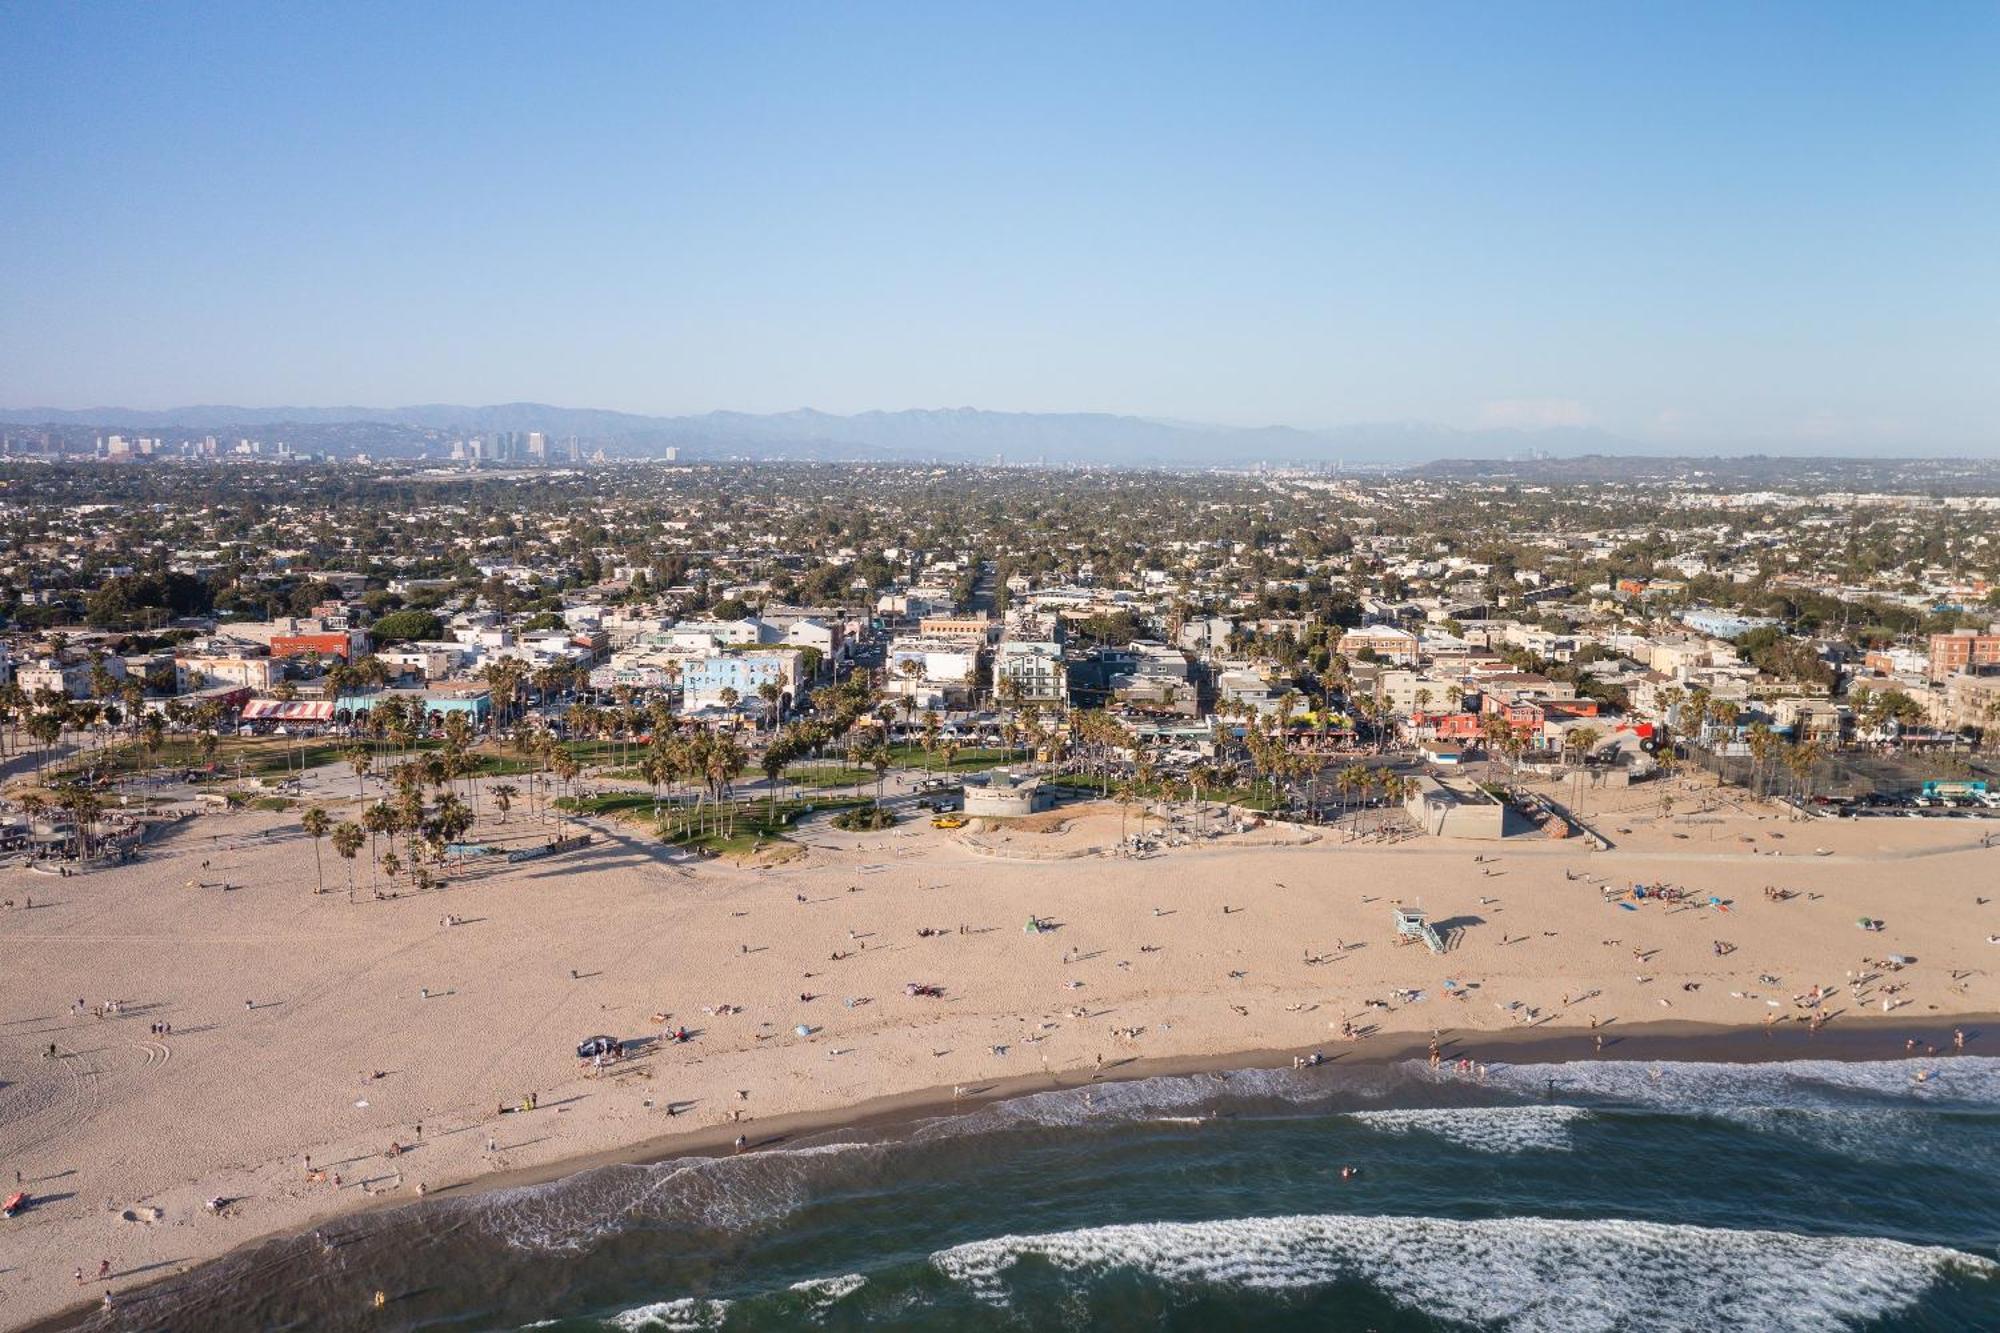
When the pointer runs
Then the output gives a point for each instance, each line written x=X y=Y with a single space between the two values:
x=1035 y=667
x=936 y=672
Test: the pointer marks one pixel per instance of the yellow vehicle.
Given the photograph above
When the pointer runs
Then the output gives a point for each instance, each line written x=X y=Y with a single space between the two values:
x=948 y=821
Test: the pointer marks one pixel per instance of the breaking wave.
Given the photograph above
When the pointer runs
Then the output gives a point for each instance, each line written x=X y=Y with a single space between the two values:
x=687 y=1315
x=718 y=1193
x=1501 y=1129
x=1694 y=1085
x=1528 y=1275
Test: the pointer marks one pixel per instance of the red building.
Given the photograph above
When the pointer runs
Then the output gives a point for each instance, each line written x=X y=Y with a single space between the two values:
x=344 y=644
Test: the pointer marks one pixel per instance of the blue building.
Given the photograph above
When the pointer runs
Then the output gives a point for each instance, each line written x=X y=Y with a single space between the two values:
x=1722 y=624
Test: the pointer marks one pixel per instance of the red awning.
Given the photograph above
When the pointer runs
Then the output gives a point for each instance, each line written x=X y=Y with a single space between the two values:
x=279 y=710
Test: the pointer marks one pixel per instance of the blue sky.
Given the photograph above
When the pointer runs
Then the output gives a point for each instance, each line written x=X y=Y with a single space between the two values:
x=1730 y=225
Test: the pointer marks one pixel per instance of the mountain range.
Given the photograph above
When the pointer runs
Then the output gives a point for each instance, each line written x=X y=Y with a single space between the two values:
x=945 y=435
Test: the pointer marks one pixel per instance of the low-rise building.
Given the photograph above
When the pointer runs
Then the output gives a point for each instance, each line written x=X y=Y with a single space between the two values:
x=703 y=679
x=1032 y=670
x=937 y=673
x=1386 y=643
x=1963 y=650
x=1002 y=794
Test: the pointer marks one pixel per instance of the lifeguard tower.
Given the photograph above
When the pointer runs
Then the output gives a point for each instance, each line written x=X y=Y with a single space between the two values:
x=1412 y=926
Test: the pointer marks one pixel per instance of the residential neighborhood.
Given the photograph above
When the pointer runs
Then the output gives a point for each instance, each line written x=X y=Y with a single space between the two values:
x=1257 y=632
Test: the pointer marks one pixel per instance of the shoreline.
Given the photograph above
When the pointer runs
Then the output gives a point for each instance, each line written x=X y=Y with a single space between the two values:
x=1857 y=1041
x=1861 y=1039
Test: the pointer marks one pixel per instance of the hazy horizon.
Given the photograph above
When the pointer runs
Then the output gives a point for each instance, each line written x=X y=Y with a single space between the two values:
x=1691 y=228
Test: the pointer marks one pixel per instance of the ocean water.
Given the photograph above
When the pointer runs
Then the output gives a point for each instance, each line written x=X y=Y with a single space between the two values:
x=1803 y=1195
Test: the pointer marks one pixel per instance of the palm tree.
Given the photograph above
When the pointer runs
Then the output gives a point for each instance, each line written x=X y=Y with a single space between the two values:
x=347 y=840
x=503 y=682
x=1578 y=742
x=1145 y=773
x=911 y=670
x=1199 y=776
x=359 y=758
x=1763 y=744
x=1801 y=759
x=317 y=824
x=47 y=729
x=450 y=819
x=929 y=738
x=878 y=757
x=503 y=796
x=153 y=737
x=1347 y=782
x=1496 y=731
x=379 y=820
x=776 y=755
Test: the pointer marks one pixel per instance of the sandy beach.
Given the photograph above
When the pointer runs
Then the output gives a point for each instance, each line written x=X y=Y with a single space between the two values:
x=307 y=1025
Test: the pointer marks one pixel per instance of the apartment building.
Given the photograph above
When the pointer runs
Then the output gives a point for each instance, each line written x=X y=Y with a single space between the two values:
x=1963 y=650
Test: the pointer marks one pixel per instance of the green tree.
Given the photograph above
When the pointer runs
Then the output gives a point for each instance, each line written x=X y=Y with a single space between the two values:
x=347 y=840
x=402 y=626
x=317 y=824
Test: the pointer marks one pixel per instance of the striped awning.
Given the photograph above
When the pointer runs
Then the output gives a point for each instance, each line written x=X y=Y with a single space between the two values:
x=296 y=710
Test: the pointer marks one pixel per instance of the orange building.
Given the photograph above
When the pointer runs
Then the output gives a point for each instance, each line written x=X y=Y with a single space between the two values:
x=1961 y=650
x=344 y=644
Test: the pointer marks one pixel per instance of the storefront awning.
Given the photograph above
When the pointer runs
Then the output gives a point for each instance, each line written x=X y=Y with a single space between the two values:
x=280 y=710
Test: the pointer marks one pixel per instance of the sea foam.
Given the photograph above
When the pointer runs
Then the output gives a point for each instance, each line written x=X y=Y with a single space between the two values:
x=825 y=1291
x=1499 y=1129
x=1528 y=1275
x=719 y=1193
x=689 y=1314
x=1696 y=1085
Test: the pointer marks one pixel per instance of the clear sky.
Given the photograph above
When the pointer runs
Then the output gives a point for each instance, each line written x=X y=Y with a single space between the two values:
x=1737 y=224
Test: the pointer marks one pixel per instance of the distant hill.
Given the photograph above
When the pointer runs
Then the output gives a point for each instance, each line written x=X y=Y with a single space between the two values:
x=945 y=435
x=1741 y=473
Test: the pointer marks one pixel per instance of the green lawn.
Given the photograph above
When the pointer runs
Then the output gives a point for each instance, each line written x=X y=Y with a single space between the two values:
x=735 y=828
x=1247 y=798
x=745 y=825
x=972 y=759
x=908 y=757
x=829 y=777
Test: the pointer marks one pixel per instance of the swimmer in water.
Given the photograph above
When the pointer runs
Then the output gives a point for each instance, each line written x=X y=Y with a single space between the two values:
x=1347 y=1173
